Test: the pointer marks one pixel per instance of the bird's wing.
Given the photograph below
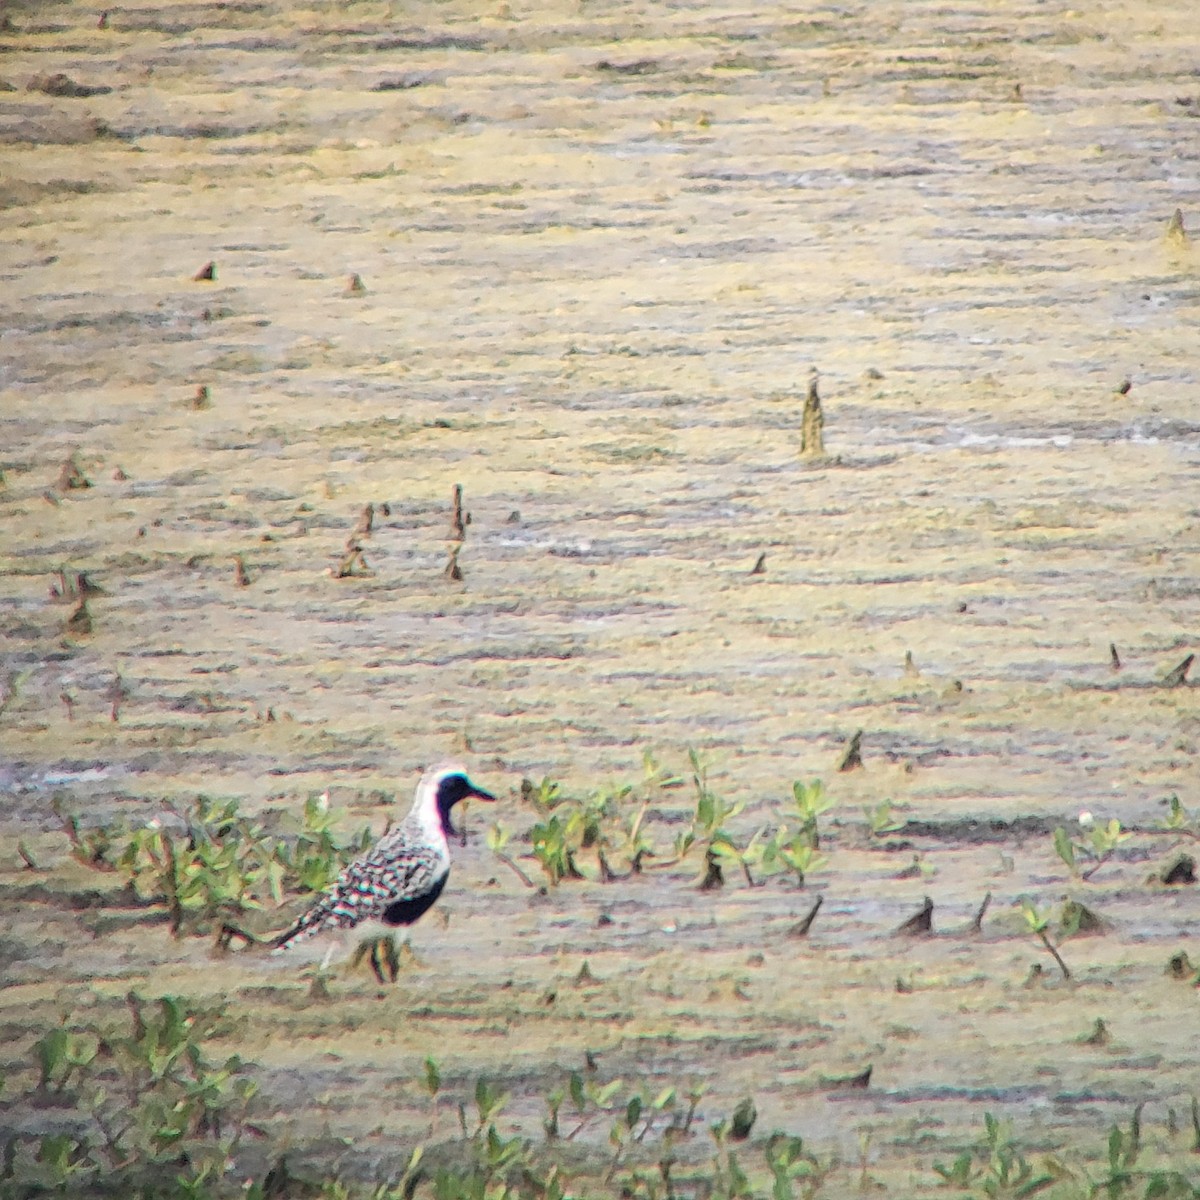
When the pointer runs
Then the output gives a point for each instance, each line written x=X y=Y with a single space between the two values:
x=393 y=869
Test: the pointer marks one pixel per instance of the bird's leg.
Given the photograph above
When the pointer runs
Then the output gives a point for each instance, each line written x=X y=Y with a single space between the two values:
x=328 y=957
x=391 y=956
x=376 y=955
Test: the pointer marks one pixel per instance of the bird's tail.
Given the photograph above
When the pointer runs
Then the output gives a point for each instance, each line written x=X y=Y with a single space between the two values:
x=307 y=926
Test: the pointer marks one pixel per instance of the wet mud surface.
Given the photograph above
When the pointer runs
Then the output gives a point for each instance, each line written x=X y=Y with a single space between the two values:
x=600 y=248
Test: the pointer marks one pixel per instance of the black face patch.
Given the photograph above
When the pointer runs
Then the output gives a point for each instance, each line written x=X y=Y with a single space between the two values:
x=405 y=912
x=452 y=789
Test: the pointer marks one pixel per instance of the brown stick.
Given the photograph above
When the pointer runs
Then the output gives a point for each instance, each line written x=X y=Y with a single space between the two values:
x=812 y=424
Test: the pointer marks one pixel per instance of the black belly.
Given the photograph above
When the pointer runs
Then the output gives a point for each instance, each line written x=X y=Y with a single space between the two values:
x=405 y=912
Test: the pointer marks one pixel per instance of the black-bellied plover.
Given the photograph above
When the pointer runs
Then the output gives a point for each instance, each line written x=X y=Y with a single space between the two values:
x=401 y=876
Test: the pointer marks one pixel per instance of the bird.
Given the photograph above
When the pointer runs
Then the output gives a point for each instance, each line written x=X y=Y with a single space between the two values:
x=400 y=878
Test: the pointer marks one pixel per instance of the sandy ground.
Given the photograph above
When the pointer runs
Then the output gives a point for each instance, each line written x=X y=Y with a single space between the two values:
x=602 y=246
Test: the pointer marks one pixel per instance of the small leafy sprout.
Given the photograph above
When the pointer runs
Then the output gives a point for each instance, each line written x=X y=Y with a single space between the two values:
x=590 y=1100
x=1179 y=819
x=789 y=1163
x=1101 y=843
x=881 y=819
x=811 y=803
x=208 y=864
x=149 y=1099
x=61 y=1054
x=1005 y=1174
x=1038 y=923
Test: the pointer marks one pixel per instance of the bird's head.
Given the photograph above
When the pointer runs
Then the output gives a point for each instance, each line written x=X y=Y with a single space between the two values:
x=442 y=787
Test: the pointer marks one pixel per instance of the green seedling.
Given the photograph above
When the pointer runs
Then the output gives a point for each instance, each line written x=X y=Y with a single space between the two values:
x=784 y=852
x=707 y=831
x=591 y=1100
x=811 y=803
x=881 y=819
x=729 y=1180
x=60 y=1055
x=791 y=1165
x=148 y=1100
x=316 y=856
x=1038 y=924
x=1005 y=1173
x=635 y=1121
x=1102 y=842
x=552 y=851
x=212 y=865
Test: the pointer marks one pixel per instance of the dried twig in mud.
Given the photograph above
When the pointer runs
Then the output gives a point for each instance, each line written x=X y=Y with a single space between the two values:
x=1181 y=870
x=835 y=1083
x=1114 y=659
x=852 y=759
x=80 y=621
x=69 y=704
x=1177 y=676
x=977 y=920
x=458 y=519
x=911 y=670
x=70 y=476
x=202 y=399
x=515 y=869
x=760 y=567
x=452 y=570
x=714 y=877
x=74 y=587
x=353 y=563
x=117 y=693
x=920 y=924
x=239 y=571
x=355 y=286
x=1176 y=233
x=812 y=424
x=801 y=928
x=365 y=523
x=206 y=274
x=1179 y=966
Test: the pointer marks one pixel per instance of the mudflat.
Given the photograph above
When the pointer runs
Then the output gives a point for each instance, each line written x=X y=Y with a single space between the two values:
x=264 y=265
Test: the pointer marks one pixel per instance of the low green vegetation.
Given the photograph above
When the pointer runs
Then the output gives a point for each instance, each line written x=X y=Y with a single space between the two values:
x=621 y=830
x=136 y=1103
x=210 y=865
x=1085 y=857
x=133 y=1107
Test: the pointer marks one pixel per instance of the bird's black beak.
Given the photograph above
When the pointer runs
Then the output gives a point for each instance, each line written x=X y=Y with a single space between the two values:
x=478 y=791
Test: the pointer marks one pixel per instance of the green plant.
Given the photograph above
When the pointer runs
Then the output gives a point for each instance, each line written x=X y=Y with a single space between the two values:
x=209 y=865
x=498 y=839
x=811 y=803
x=784 y=852
x=581 y=837
x=149 y=1098
x=62 y=1053
x=1101 y=844
x=316 y=855
x=1003 y=1173
x=881 y=820
x=707 y=831
x=790 y=1164
x=1038 y=924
